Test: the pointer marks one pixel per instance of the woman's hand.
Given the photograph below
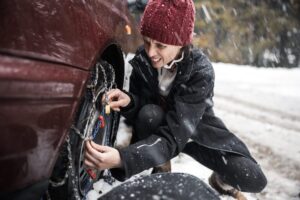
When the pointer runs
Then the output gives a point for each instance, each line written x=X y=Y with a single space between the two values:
x=101 y=157
x=117 y=99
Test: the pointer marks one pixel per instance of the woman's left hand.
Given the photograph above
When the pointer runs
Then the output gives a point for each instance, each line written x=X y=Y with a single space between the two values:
x=117 y=99
x=101 y=157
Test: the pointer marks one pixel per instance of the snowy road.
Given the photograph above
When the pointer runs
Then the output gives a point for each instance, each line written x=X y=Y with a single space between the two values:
x=262 y=107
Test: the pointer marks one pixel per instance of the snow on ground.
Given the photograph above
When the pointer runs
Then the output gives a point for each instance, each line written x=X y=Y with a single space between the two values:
x=262 y=107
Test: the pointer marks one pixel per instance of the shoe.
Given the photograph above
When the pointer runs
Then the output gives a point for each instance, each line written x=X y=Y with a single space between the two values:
x=224 y=189
x=166 y=167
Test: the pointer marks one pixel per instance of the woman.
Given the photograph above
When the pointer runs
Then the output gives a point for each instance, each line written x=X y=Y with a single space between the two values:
x=170 y=106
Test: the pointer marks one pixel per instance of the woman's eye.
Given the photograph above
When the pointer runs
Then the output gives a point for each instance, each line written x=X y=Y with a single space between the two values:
x=160 y=46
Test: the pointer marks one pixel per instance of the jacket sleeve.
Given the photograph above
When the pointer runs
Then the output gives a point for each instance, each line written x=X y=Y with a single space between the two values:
x=130 y=112
x=191 y=100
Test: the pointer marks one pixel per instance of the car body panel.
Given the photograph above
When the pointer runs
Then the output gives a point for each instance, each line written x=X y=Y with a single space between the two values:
x=61 y=31
x=46 y=51
x=36 y=110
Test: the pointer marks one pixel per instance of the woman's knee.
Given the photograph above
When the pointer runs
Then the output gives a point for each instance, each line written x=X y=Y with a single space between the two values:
x=150 y=117
x=235 y=170
x=245 y=175
x=260 y=180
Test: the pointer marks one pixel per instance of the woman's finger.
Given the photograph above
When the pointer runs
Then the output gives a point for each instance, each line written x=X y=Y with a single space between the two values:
x=115 y=105
x=91 y=158
x=114 y=94
x=98 y=147
x=92 y=151
x=89 y=164
x=112 y=91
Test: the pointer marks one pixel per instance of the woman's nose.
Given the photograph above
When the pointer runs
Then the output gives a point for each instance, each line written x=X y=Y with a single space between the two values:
x=151 y=51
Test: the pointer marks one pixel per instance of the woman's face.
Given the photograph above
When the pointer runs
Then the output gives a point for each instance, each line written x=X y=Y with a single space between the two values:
x=159 y=53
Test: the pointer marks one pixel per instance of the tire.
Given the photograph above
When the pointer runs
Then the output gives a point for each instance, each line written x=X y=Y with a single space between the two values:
x=177 y=186
x=87 y=123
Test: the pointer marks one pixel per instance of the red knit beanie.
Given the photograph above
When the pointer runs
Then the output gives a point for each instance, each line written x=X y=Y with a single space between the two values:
x=169 y=21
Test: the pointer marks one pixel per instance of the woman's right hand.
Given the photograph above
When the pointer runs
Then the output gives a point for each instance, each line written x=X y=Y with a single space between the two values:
x=117 y=99
x=101 y=157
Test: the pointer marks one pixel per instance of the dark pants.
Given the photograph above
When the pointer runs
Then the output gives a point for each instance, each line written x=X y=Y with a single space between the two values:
x=238 y=171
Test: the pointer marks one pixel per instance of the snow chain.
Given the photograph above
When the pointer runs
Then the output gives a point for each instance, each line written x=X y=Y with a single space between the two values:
x=107 y=177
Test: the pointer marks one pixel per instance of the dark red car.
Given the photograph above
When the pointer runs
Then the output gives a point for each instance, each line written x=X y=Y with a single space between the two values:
x=57 y=59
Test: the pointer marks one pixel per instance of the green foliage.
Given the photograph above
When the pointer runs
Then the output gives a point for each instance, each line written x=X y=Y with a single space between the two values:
x=241 y=31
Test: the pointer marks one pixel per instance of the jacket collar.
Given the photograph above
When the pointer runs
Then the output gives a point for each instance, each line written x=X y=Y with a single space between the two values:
x=185 y=67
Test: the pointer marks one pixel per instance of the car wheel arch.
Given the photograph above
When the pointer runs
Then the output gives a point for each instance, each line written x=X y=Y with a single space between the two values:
x=113 y=54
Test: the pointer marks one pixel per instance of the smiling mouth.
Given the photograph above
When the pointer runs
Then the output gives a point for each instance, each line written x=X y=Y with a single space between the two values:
x=155 y=60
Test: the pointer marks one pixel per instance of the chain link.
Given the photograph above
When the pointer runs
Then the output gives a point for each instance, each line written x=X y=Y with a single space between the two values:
x=86 y=136
x=108 y=178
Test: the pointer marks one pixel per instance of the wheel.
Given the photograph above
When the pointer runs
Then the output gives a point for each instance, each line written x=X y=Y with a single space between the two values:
x=93 y=122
